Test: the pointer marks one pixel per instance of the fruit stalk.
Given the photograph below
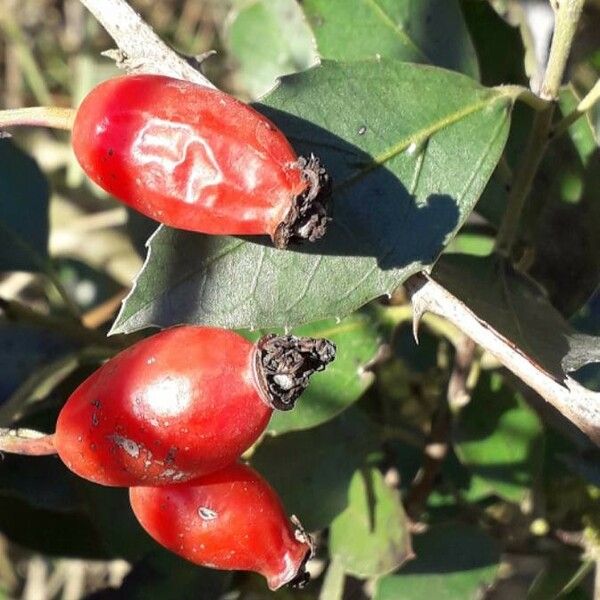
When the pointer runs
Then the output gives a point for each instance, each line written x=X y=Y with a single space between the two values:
x=26 y=442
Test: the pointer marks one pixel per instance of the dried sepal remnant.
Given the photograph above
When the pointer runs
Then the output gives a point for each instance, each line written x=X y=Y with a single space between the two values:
x=302 y=576
x=307 y=217
x=284 y=365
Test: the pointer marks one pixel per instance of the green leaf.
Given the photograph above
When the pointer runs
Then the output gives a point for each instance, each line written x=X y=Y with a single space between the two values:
x=23 y=211
x=371 y=536
x=342 y=383
x=500 y=439
x=580 y=132
x=268 y=39
x=393 y=135
x=454 y=561
x=429 y=31
x=517 y=308
x=311 y=470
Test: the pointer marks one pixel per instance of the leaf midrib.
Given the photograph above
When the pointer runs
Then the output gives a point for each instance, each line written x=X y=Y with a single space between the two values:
x=419 y=137
x=389 y=22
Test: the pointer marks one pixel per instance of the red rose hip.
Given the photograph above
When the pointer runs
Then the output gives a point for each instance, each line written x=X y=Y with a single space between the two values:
x=196 y=158
x=181 y=403
x=230 y=519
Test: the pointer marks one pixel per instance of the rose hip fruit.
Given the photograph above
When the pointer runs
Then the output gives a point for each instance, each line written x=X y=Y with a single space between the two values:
x=230 y=519
x=196 y=158
x=181 y=403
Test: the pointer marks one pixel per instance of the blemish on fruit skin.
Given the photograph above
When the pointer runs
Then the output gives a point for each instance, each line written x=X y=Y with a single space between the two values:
x=362 y=130
x=129 y=446
x=207 y=514
x=97 y=406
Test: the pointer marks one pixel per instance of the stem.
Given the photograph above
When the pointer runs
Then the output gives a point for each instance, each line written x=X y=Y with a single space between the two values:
x=38 y=116
x=14 y=311
x=434 y=454
x=26 y=441
x=524 y=176
x=54 y=278
x=576 y=403
x=567 y=13
x=140 y=49
x=31 y=70
x=586 y=103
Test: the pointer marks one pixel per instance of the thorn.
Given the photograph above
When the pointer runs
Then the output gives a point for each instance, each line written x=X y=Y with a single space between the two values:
x=413 y=284
x=115 y=54
x=417 y=314
x=197 y=61
x=200 y=58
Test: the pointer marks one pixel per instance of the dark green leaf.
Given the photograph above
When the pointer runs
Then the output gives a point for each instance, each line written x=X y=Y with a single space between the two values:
x=23 y=211
x=50 y=532
x=560 y=579
x=429 y=31
x=454 y=562
x=311 y=470
x=120 y=532
x=268 y=39
x=563 y=216
x=404 y=182
x=343 y=381
x=371 y=536
x=23 y=350
x=499 y=46
x=42 y=483
x=516 y=307
x=500 y=439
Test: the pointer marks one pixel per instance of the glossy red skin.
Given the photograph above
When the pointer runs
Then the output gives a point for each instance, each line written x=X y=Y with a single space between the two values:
x=231 y=519
x=176 y=405
x=186 y=155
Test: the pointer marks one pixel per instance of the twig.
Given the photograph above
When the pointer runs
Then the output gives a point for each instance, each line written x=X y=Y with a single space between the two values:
x=140 y=49
x=39 y=116
x=100 y=314
x=461 y=381
x=567 y=19
x=15 y=311
x=567 y=13
x=36 y=579
x=576 y=403
x=33 y=74
x=524 y=176
x=584 y=105
x=434 y=453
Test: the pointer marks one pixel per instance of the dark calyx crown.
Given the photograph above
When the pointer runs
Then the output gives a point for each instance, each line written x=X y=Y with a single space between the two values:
x=284 y=364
